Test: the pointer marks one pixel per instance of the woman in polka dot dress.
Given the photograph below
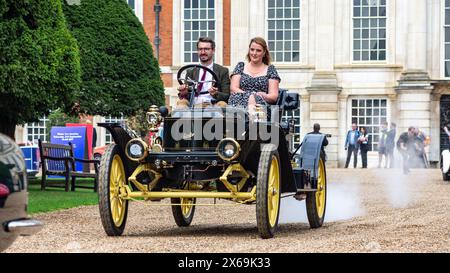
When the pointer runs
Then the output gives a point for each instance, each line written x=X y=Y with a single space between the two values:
x=257 y=81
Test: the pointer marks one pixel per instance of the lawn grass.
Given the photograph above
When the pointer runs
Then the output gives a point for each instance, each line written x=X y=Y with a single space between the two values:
x=56 y=198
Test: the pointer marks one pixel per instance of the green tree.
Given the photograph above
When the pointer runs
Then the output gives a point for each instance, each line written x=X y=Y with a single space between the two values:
x=119 y=73
x=39 y=61
x=59 y=118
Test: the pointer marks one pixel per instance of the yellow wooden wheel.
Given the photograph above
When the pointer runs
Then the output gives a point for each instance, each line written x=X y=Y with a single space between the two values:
x=268 y=189
x=112 y=185
x=116 y=188
x=183 y=210
x=187 y=206
x=273 y=193
x=320 y=193
x=316 y=201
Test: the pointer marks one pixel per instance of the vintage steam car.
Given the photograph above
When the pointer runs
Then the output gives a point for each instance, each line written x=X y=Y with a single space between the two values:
x=247 y=161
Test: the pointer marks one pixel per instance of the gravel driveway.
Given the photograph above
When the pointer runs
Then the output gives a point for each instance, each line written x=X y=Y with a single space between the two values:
x=367 y=211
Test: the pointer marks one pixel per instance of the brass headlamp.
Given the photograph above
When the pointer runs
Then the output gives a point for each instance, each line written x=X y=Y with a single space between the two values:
x=154 y=118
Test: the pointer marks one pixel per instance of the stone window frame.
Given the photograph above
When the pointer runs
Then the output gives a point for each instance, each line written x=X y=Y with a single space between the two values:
x=446 y=39
x=206 y=26
x=374 y=133
x=369 y=27
x=40 y=126
x=282 y=50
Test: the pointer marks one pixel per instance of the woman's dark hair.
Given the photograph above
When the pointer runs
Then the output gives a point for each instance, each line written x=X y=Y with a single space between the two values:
x=361 y=128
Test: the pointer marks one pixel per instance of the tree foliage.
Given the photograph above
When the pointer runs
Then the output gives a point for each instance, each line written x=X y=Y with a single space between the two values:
x=39 y=61
x=59 y=118
x=119 y=73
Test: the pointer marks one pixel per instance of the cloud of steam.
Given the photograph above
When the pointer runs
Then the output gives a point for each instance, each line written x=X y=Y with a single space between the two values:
x=344 y=196
x=343 y=203
x=398 y=188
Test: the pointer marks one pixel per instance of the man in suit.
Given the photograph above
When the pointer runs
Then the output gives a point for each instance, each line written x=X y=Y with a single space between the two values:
x=382 y=145
x=207 y=94
x=406 y=145
x=352 y=145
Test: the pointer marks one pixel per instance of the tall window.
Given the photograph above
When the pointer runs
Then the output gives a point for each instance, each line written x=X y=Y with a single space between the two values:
x=199 y=21
x=37 y=130
x=370 y=113
x=293 y=114
x=369 y=30
x=132 y=4
x=108 y=137
x=447 y=38
x=283 y=34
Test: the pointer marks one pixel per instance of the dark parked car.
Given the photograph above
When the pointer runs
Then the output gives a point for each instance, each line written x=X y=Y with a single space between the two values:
x=13 y=195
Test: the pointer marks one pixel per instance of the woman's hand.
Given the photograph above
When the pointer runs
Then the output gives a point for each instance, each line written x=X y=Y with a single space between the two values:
x=262 y=95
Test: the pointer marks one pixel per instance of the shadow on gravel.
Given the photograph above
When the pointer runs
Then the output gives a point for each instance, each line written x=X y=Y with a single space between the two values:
x=222 y=230
x=201 y=231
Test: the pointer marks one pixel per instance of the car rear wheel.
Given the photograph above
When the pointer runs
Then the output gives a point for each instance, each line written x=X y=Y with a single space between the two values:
x=183 y=210
x=268 y=191
x=112 y=182
x=316 y=201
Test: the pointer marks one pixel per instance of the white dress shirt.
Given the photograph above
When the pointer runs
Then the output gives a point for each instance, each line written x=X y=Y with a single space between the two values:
x=201 y=98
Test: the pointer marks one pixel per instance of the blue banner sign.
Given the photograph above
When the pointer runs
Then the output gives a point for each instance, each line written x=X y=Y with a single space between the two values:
x=31 y=160
x=74 y=135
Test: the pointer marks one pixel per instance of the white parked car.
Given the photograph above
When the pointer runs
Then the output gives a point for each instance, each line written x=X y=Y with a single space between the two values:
x=445 y=164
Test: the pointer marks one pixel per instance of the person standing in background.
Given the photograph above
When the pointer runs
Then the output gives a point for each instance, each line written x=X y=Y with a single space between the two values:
x=406 y=147
x=390 y=145
x=316 y=131
x=351 y=145
x=382 y=145
x=363 y=141
x=447 y=131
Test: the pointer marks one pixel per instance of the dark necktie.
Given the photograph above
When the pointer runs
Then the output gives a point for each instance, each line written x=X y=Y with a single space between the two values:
x=200 y=86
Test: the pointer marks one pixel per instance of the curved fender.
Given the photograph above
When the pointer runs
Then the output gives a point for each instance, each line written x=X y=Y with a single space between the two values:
x=121 y=138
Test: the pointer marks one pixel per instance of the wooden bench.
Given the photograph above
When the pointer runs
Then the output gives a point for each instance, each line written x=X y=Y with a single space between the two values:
x=58 y=159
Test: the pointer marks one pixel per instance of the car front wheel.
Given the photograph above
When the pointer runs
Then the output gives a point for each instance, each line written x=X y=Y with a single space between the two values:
x=112 y=182
x=268 y=187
